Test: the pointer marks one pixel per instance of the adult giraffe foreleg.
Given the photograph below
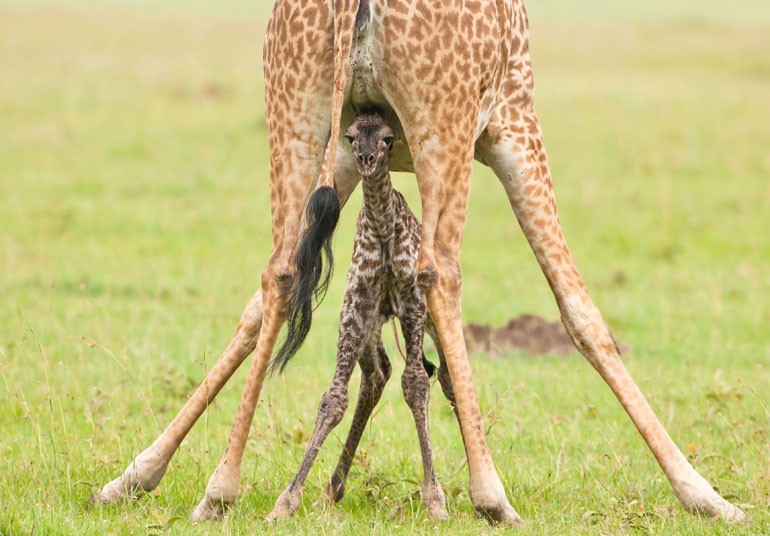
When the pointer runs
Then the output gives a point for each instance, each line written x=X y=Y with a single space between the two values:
x=222 y=487
x=513 y=148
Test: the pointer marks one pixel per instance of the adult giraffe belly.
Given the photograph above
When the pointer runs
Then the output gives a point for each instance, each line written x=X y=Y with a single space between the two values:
x=365 y=85
x=409 y=53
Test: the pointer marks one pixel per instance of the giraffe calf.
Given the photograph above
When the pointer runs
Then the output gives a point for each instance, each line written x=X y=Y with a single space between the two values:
x=381 y=284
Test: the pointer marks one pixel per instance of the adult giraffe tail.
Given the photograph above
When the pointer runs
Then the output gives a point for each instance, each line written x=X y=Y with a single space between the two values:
x=323 y=209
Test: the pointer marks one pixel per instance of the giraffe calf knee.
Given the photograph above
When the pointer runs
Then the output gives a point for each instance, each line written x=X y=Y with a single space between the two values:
x=445 y=274
x=334 y=404
x=416 y=386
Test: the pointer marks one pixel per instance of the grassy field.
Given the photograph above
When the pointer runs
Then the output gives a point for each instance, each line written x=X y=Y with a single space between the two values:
x=134 y=225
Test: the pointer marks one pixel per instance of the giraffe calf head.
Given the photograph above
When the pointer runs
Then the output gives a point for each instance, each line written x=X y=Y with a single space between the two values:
x=371 y=138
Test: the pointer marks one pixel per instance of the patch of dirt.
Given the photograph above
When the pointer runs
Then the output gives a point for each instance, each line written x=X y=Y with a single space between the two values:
x=528 y=333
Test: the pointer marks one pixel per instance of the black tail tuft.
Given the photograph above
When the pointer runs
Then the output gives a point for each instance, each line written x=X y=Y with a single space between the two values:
x=429 y=367
x=313 y=274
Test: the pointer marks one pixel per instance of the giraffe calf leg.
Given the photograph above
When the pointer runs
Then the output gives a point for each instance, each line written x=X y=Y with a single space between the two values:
x=416 y=388
x=375 y=373
x=330 y=412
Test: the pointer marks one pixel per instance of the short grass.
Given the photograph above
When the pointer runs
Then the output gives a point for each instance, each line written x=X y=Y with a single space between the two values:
x=134 y=225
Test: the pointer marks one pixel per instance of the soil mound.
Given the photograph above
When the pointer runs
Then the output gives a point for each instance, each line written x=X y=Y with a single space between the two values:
x=530 y=334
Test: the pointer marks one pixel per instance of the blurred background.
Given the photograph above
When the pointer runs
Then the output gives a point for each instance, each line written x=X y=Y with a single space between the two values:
x=134 y=224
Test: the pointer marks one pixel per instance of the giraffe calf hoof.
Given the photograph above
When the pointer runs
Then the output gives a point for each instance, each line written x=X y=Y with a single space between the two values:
x=437 y=509
x=335 y=490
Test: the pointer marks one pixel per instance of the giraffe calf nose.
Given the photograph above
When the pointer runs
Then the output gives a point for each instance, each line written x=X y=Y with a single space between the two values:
x=365 y=159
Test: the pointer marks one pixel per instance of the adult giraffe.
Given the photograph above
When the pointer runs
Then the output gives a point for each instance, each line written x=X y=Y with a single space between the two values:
x=454 y=77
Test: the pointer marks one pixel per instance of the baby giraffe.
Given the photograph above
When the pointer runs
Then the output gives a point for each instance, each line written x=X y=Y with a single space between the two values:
x=381 y=284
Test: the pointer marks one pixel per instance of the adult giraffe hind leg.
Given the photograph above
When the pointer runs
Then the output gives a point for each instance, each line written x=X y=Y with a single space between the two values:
x=443 y=168
x=145 y=472
x=222 y=488
x=513 y=147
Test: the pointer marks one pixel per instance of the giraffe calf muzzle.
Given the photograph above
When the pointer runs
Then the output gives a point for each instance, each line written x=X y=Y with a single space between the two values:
x=366 y=162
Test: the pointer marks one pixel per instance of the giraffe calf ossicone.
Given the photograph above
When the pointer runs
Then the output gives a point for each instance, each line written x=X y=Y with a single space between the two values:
x=381 y=284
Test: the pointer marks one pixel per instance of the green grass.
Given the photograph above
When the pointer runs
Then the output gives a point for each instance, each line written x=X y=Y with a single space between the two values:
x=134 y=225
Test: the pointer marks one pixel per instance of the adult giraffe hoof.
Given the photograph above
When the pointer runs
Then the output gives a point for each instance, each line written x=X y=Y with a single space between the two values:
x=118 y=490
x=211 y=509
x=143 y=474
x=713 y=505
x=503 y=514
x=698 y=497
x=721 y=509
x=285 y=506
